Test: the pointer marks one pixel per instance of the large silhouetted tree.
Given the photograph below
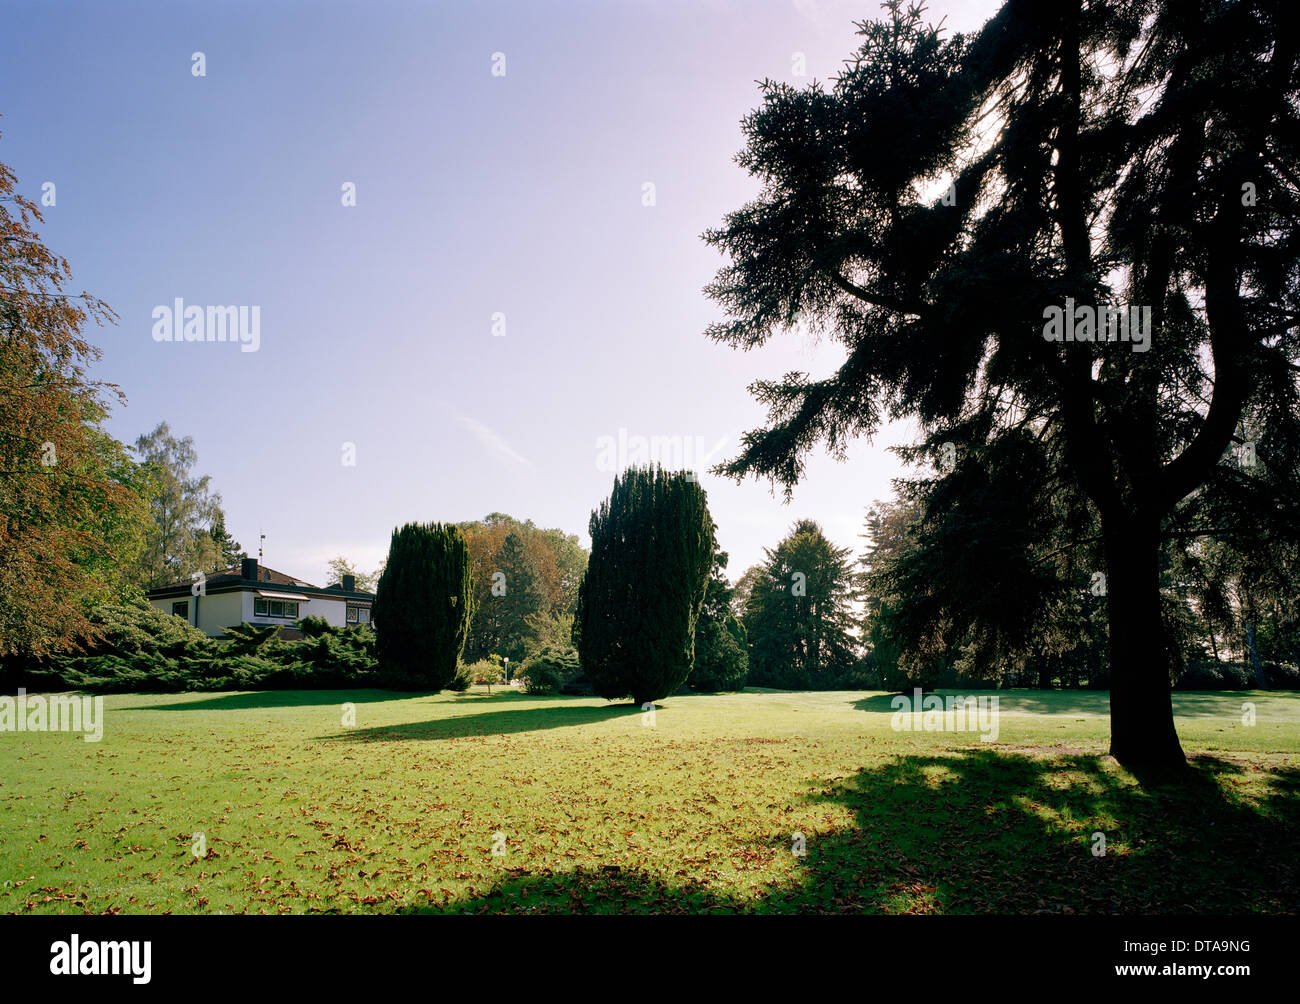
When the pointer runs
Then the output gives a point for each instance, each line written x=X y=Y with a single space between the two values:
x=941 y=207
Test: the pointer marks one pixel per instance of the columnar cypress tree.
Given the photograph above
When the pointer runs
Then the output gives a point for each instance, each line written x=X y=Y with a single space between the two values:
x=423 y=605
x=651 y=549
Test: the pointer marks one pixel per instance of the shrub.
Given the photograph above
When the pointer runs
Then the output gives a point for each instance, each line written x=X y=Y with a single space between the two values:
x=1282 y=675
x=462 y=680
x=579 y=686
x=721 y=659
x=1209 y=674
x=485 y=672
x=549 y=671
x=138 y=647
x=423 y=607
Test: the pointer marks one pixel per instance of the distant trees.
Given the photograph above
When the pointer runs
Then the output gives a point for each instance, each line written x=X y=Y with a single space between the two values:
x=340 y=566
x=424 y=602
x=652 y=545
x=799 y=615
x=181 y=508
x=517 y=594
x=519 y=590
x=721 y=642
x=71 y=499
x=227 y=551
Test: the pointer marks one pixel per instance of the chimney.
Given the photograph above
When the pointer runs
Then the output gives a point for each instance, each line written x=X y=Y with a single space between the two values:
x=248 y=569
x=349 y=583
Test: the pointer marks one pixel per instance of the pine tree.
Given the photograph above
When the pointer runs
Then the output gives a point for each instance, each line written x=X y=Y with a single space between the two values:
x=228 y=550
x=652 y=545
x=423 y=606
x=798 y=616
x=520 y=596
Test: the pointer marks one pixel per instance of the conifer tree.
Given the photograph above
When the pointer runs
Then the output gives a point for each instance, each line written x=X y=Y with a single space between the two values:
x=423 y=605
x=652 y=545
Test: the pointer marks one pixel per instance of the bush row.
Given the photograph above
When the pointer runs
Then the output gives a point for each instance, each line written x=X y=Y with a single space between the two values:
x=141 y=648
x=1209 y=674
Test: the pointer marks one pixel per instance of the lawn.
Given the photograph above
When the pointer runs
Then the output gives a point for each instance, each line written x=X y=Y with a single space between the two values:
x=592 y=808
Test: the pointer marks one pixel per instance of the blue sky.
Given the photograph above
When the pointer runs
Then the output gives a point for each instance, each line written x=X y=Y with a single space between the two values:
x=476 y=195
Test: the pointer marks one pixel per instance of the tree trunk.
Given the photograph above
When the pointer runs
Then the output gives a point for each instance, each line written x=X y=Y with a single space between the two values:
x=1044 y=674
x=1141 y=707
x=1256 y=664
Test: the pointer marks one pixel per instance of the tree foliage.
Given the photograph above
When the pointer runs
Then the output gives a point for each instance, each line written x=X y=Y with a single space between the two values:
x=340 y=566
x=536 y=578
x=721 y=642
x=652 y=546
x=933 y=207
x=182 y=507
x=423 y=605
x=799 y=616
x=71 y=500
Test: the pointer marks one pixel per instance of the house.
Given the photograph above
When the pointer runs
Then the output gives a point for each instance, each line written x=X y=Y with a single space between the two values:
x=253 y=594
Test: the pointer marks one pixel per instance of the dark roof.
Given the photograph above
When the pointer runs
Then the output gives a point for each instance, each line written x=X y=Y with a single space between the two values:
x=230 y=579
x=338 y=588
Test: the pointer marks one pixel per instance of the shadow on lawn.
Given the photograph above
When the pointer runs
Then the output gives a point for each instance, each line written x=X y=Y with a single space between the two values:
x=1187 y=704
x=492 y=721
x=277 y=699
x=983 y=832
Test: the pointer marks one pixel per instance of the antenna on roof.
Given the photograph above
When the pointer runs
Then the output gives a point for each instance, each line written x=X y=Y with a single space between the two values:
x=260 y=537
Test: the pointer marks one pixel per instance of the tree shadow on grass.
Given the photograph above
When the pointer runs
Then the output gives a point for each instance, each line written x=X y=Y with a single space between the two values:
x=495 y=722
x=981 y=832
x=1054 y=702
x=1187 y=704
x=252 y=700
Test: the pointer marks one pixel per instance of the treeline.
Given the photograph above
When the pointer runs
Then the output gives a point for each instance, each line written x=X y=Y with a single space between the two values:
x=969 y=578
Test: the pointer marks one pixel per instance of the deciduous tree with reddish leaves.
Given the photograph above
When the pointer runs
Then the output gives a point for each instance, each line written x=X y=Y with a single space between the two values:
x=71 y=499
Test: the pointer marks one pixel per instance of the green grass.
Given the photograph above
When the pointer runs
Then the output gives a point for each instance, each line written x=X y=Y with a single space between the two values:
x=603 y=813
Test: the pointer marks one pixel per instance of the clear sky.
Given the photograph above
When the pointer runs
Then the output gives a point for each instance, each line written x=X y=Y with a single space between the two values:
x=476 y=195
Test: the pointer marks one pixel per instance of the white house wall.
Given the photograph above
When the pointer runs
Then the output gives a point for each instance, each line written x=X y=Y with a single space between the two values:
x=222 y=610
x=218 y=612
x=165 y=605
x=335 y=611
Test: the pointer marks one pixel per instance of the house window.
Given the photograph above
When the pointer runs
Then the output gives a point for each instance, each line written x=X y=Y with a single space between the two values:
x=358 y=615
x=275 y=608
x=182 y=609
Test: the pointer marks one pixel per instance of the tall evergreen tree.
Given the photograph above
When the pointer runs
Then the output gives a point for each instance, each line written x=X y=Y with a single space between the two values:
x=652 y=546
x=948 y=196
x=423 y=606
x=228 y=551
x=520 y=596
x=798 y=616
